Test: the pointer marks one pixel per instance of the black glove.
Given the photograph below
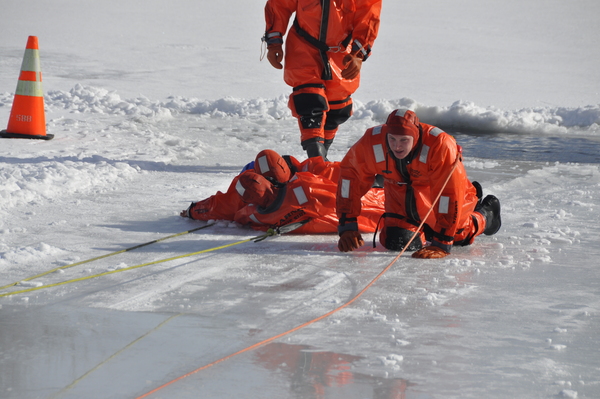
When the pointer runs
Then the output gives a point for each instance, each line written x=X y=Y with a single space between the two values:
x=186 y=212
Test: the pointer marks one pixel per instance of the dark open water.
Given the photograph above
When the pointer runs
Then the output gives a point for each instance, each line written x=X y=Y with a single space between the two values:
x=519 y=147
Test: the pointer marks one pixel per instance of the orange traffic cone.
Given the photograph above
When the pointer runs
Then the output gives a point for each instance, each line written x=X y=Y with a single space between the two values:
x=27 y=117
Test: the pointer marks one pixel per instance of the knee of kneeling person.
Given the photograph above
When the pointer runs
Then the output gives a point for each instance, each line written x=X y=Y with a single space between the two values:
x=396 y=239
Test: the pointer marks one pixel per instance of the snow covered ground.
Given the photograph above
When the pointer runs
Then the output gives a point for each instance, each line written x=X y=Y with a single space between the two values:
x=157 y=104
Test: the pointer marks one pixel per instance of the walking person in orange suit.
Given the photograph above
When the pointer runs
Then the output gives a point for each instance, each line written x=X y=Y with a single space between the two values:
x=324 y=52
x=415 y=160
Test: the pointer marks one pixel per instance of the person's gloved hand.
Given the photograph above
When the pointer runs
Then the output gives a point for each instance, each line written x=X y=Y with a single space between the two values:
x=430 y=252
x=350 y=240
x=352 y=64
x=275 y=55
x=186 y=212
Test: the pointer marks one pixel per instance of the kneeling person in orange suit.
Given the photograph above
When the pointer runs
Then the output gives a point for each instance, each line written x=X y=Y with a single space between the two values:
x=415 y=159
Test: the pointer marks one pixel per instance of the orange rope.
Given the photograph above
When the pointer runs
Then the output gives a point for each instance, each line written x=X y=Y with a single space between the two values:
x=266 y=341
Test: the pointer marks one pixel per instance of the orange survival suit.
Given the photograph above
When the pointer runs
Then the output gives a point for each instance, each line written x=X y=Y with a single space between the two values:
x=411 y=185
x=309 y=196
x=324 y=33
x=279 y=169
x=306 y=190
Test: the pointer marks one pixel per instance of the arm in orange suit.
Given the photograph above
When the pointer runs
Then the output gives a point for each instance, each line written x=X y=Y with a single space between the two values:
x=220 y=206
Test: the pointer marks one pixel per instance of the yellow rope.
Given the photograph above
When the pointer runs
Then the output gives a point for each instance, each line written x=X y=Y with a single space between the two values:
x=134 y=267
x=103 y=256
x=71 y=385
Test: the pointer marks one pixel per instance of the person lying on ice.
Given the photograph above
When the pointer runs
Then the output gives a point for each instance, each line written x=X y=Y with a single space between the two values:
x=276 y=168
x=278 y=195
x=415 y=160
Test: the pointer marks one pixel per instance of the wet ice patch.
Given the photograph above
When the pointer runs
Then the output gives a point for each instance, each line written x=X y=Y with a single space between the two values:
x=32 y=284
x=117 y=267
x=568 y=393
x=391 y=361
x=557 y=347
x=481 y=164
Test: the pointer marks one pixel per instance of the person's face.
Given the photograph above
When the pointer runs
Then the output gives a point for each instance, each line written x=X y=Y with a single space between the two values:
x=400 y=145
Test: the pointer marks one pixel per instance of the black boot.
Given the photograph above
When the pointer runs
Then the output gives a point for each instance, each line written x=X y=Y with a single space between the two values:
x=479 y=191
x=315 y=149
x=490 y=209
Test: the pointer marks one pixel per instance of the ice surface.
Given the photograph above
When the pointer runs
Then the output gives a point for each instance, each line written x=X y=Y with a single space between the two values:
x=154 y=105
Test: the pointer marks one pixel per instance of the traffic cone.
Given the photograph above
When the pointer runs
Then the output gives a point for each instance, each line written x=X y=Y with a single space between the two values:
x=27 y=117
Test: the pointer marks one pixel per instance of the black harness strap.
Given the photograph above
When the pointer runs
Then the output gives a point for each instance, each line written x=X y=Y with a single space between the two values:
x=410 y=201
x=314 y=42
x=290 y=164
x=309 y=85
x=323 y=48
x=320 y=43
x=325 y=5
x=340 y=101
x=326 y=75
x=401 y=217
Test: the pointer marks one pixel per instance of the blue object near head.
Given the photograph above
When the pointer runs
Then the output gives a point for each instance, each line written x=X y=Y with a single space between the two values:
x=248 y=166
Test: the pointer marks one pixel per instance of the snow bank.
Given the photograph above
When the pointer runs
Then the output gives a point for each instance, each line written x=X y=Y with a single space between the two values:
x=460 y=116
